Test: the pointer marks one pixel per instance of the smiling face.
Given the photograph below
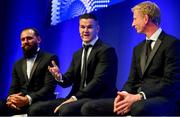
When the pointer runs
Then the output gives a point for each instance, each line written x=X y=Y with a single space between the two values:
x=88 y=29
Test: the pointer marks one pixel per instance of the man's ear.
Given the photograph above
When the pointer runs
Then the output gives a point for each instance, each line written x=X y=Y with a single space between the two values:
x=146 y=18
x=39 y=39
x=98 y=27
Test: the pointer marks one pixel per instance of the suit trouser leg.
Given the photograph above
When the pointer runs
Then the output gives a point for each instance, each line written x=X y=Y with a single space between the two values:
x=158 y=106
x=44 y=108
x=98 y=107
x=7 y=111
x=3 y=108
x=73 y=108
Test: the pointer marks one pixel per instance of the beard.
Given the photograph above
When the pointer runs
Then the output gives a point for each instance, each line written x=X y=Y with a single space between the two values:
x=30 y=51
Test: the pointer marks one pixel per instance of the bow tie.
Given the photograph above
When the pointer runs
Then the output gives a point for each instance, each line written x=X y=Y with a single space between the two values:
x=86 y=47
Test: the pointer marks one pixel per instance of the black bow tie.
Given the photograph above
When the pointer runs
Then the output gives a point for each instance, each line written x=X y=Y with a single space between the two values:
x=148 y=48
x=148 y=43
x=86 y=47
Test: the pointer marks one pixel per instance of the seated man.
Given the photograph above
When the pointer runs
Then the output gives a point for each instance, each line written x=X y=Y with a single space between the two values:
x=153 y=87
x=92 y=72
x=31 y=81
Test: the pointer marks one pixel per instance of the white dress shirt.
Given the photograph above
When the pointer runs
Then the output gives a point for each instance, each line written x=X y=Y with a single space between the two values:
x=154 y=37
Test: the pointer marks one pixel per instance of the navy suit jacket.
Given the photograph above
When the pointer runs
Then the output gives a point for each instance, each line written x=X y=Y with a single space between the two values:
x=160 y=76
x=41 y=85
x=101 y=76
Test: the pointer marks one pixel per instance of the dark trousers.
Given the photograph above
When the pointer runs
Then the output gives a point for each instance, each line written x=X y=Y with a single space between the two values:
x=7 y=111
x=73 y=108
x=39 y=108
x=47 y=108
x=103 y=107
x=157 y=106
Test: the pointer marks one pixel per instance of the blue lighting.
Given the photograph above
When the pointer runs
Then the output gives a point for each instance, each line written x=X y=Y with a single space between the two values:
x=66 y=9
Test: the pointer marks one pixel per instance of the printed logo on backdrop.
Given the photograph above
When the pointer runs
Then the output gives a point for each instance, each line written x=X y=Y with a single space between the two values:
x=62 y=10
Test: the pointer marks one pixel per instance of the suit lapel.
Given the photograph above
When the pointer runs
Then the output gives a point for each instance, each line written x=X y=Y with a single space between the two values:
x=24 y=68
x=153 y=52
x=78 y=59
x=93 y=51
x=143 y=58
x=37 y=61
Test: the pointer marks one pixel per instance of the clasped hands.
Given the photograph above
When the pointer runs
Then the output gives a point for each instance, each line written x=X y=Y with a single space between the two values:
x=16 y=101
x=123 y=102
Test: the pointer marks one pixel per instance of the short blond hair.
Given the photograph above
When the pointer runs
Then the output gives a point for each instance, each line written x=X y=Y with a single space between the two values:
x=151 y=9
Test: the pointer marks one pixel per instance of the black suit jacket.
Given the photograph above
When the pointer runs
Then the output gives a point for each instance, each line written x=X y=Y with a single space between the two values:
x=161 y=75
x=41 y=85
x=101 y=76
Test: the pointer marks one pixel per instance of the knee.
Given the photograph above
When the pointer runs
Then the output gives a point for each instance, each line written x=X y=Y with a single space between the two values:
x=138 y=108
x=88 y=109
x=34 y=111
x=65 y=110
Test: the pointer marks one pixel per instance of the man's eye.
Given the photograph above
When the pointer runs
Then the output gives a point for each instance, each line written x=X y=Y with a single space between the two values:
x=29 y=38
x=89 y=27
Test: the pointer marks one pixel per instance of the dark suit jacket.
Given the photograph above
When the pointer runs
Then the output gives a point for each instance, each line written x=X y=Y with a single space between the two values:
x=101 y=76
x=161 y=75
x=41 y=85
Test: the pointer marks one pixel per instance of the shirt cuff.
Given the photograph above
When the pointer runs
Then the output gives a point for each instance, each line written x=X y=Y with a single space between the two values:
x=74 y=98
x=60 y=78
x=143 y=95
x=30 y=99
x=124 y=91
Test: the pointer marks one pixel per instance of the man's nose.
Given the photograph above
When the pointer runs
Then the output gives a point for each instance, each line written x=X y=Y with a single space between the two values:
x=26 y=40
x=86 y=29
x=132 y=24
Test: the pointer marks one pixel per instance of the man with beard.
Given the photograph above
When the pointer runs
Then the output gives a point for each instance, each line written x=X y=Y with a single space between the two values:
x=31 y=81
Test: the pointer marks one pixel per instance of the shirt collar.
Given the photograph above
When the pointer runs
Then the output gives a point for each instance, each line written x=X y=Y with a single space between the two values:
x=155 y=35
x=32 y=59
x=91 y=42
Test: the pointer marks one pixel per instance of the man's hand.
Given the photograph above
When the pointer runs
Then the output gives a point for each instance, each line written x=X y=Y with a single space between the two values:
x=16 y=101
x=54 y=70
x=117 y=99
x=123 y=102
x=65 y=102
x=11 y=105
